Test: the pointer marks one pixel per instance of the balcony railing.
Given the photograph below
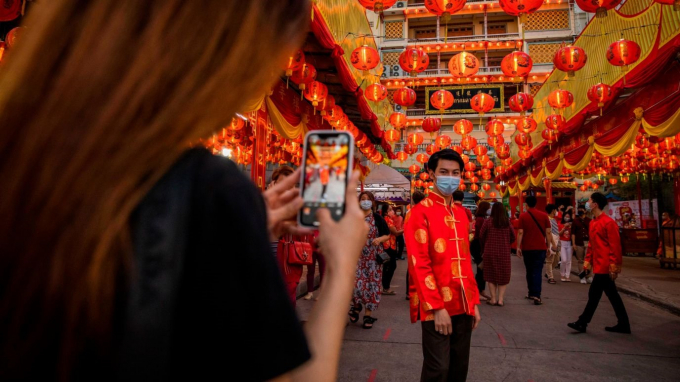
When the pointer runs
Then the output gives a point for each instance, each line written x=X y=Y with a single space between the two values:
x=458 y=39
x=491 y=70
x=469 y=1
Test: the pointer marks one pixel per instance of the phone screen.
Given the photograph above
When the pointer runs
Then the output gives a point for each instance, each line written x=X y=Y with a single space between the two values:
x=327 y=162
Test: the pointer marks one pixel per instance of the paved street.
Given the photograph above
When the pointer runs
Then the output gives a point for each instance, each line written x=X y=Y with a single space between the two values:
x=522 y=342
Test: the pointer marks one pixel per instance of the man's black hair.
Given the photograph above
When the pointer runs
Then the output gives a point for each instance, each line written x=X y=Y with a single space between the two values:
x=599 y=199
x=531 y=201
x=446 y=154
x=549 y=208
x=458 y=195
x=417 y=197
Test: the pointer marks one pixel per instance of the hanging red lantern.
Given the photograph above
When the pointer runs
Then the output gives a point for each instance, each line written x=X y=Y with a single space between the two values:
x=599 y=7
x=415 y=139
x=295 y=62
x=375 y=92
x=422 y=158
x=486 y=187
x=500 y=170
x=488 y=166
x=483 y=159
x=549 y=136
x=306 y=74
x=463 y=65
x=481 y=194
x=526 y=125
x=424 y=176
x=414 y=169
x=465 y=158
x=600 y=94
x=377 y=6
x=570 y=59
x=470 y=166
x=404 y=97
x=457 y=149
x=613 y=181
x=668 y=145
x=524 y=154
x=468 y=174
x=411 y=148
x=402 y=156
x=326 y=105
x=520 y=8
x=236 y=124
x=494 y=140
x=595 y=187
x=392 y=136
x=494 y=127
x=15 y=33
x=315 y=92
x=480 y=150
x=492 y=194
x=474 y=187
x=482 y=103
x=432 y=125
x=364 y=58
x=377 y=158
x=503 y=151
x=414 y=60
x=642 y=142
x=431 y=149
x=463 y=127
x=517 y=64
x=462 y=187
x=623 y=53
x=625 y=179
x=443 y=141
x=419 y=183
x=468 y=142
x=587 y=183
x=442 y=99
x=583 y=188
x=521 y=102
x=444 y=8
x=398 y=120
x=554 y=122
x=507 y=162
x=523 y=139
x=560 y=98
x=674 y=3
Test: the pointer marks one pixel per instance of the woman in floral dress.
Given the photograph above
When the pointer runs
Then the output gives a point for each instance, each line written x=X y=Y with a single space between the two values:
x=369 y=272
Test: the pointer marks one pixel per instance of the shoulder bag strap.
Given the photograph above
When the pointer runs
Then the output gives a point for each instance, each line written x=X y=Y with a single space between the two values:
x=541 y=229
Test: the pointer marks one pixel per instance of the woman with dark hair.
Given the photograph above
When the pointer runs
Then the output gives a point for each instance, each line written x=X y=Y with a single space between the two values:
x=122 y=251
x=566 y=250
x=387 y=213
x=369 y=273
x=497 y=235
x=476 y=245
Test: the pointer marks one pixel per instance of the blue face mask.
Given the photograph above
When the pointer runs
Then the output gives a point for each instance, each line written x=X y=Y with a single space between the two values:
x=448 y=184
x=588 y=206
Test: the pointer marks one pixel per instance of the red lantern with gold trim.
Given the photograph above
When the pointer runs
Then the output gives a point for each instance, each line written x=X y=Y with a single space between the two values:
x=431 y=149
x=404 y=97
x=522 y=139
x=419 y=183
x=494 y=140
x=414 y=60
x=517 y=64
x=503 y=151
x=315 y=92
x=392 y=136
x=422 y=158
x=442 y=99
x=613 y=181
x=468 y=142
x=524 y=154
x=623 y=53
x=444 y=8
x=521 y=102
x=432 y=125
x=414 y=169
x=457 y=149
x=494 y=127
x=443 y=141
x=463 y=127
x=482 y=103
x=236 y=124
x=465 y=157
x=570 y=59
x=560 y=98
x=303 y=76
x=364 y=58
x=326 y=105
x=402 y=156
x=600 y=94
x=526 y=125
x=377 y=6
x=375 y=92
x=411 y=148
x=415 y=139
x=398 y=120
x=480 y=150
x=549 y=136
x=599 y=7
x=486 y=187
x=462 y=187
x=520 y=8
x=463 y=65
x=295 y=62
x=470 y=166
x=554 y=122
x=474 y=187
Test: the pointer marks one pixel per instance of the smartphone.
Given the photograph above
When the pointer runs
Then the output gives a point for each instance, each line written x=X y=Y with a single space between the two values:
x=326 y=165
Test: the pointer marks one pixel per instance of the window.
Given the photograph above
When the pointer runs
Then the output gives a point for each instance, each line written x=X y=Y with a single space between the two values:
x=462 y=30
x=497 y=29
x=426 y=33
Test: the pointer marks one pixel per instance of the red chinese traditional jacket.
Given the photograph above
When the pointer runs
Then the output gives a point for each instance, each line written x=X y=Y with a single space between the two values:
x=440 y=268
x=604 y=253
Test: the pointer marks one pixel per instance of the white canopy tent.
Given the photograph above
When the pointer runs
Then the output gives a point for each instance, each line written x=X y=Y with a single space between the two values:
x=387 y=184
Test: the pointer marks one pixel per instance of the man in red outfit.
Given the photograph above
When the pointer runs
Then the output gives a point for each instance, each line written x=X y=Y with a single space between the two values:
x=444 y=294
x=604 y=257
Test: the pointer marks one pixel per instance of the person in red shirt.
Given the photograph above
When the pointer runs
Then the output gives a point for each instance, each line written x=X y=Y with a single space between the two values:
x=605 y=258
x=458 y=197
x=533 y=234
x=444 y=295
x=514 y=222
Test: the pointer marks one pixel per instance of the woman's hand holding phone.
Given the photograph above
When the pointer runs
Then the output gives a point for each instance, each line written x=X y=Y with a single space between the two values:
x=283 y=202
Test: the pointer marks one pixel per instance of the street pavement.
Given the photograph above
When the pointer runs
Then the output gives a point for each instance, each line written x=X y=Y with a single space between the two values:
x=520 y=341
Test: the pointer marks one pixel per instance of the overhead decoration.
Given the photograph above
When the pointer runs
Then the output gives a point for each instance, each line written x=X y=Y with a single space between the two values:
x=560 y=99
x=494 y=140
x=365 y=58
x=463 y=64
x=494 y=127
x=623 y=53
x=517 y=65
x=521 y=102
x=326 y=105
x=554 y=122
x=570 y=59
x=443 y=141
x=295 y=62
x=415 y=139
x=414 y=60
x=402 y=156
x=375 y=92
x=405 y=97
x=422 y=158
x=398 y=120
x=520 y=8
x=432 y=125
x=503 y=151
x=599 y=7
x=600 y=94
x=304 y=75
x=444 y=8
x=377 y=6
x=392 y=136
x=549 y=136
x=526 y=125
x=482 y=103
x=412 y=148
x=463 y=127
x=315 y=92
x=443 y=99
x=468 y=142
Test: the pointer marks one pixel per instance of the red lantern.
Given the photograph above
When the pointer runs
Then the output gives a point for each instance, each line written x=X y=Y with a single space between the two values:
x=462 y=187
x=443 y=141
x=414 y=169
x=398 y=120
x=587 y=183
x=494 y=140
x=570 y=59
x=623 y=53
x=405 y=97
x=422 y=158
x=613 y=181
x=470 y=166
x=424 y=176
x=483 y=159
x=444 y=8
x=402 y=156
x=414 y=60
x=465 y=158
x=524 y=154
x=625 y=179
x=377 y=6
x=474 y=187
x=554 y=122
x=526 y=125
x=468 y=174
x=295 y=62
x=560 y=98
x=315 y=92
x=595 y=187
x=364 y=58
x=492 y=194
x=463 y=127
x=520 y=8
x=236 y=124
x=482 y=103
x=600 y=94
x=486 y=187
x=431 y=149
x=521 y=102
x=442 y=99
x=415 y=139
x=411 y=148
x=489 y=166
x=600 y=7
x=326 y=105
x=432 y=125
x=549 y=136
x=674 y=3
x=517 y=64
x=506 y=161
x=377 y=157
x=419 y=183
x=642 y=142
x=583 y=188
x=523 y=139
x=468 y=142
x=500 y=170
x=392 y=136
x=480 y=150
x=494 y=127
x=457 y=149
x=376 y=92
x=503 y=151
x=463 y=65
x=304 y=75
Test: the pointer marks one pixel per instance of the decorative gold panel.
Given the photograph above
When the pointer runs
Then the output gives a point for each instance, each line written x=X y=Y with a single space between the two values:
x=543 y=53
x=533 y=89
x=633 y=7
x=394 y=30
x=390 y=58
x=547 y=20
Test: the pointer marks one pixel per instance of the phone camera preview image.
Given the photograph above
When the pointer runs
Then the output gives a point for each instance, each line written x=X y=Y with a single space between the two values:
x=325 y=175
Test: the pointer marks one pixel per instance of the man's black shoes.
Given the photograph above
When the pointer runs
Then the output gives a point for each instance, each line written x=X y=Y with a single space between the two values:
x=579 y=327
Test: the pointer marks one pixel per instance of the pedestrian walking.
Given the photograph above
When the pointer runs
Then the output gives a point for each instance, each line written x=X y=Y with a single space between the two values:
x=416 y=198
x=579 y=234
x=444 y=295
x=496 y=236
x=369 y=272
x=553 y=252
x=566 y=249
x=604 y=256
x=533 y=239
x=123 y=251
x=399 y=225
x=482 y=213
x=391 y=249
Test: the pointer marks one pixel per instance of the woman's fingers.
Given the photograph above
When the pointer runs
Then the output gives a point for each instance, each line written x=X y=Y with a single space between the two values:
x=286 y=184
x=285 y=212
